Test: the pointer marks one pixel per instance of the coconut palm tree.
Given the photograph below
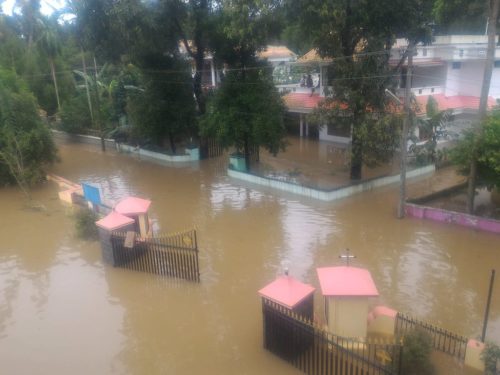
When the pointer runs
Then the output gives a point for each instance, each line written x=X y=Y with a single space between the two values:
x=50 y=46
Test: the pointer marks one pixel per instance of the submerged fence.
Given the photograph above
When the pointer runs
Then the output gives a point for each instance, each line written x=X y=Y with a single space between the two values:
x=443 y=340
x=172 y=255
x=315 y=351
x=210 y=148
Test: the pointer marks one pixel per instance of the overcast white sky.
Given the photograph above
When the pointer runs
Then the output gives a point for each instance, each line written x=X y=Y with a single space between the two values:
x=46 y=6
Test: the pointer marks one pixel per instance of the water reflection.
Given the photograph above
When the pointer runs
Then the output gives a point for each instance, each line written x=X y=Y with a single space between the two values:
x=57 y=299
x=305 y=231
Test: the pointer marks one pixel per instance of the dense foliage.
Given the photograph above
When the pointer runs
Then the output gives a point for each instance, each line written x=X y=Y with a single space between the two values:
x=247 y=112
x=491 y=358
x=488 y=148
x=85 y=224
x=26 y=146
x=136 y=68
x=357 y=39
x=417 y=349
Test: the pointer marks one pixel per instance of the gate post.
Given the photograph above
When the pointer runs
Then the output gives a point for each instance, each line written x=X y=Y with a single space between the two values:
x=113 y=222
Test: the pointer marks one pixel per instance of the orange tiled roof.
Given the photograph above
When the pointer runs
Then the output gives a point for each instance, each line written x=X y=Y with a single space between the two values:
x=299 y=102
x=276 y=52
x=453 y=102
x=302 y=102
x=313 y=56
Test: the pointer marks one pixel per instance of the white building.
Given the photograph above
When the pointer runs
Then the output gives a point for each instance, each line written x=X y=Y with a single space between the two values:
x=450 y=69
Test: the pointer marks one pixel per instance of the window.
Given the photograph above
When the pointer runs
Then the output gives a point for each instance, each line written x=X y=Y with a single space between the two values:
x=456 y=65
x=461 y=53
x=497 y=63
x=424 y=52
x=432 y=89
x=339 y=129
x=419 y=91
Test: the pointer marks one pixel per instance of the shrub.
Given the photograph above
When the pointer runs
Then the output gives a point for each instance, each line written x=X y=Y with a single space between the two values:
x=85 y=224
x=490 y=357
x=417 y=349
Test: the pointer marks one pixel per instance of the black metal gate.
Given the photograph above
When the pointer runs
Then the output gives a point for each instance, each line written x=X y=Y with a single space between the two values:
x=313 y=350
x=173 y=255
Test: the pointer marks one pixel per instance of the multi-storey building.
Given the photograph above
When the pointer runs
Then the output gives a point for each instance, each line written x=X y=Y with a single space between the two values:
x=450 y=69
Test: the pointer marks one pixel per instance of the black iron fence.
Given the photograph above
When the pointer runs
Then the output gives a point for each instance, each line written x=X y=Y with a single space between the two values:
x=315 y=351
x=443 y=340
x=172 y=255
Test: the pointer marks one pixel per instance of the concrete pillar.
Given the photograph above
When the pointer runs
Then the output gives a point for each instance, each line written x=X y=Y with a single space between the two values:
x=301 y=125
x=106 y=226
x=382 y=321
x=473 y=355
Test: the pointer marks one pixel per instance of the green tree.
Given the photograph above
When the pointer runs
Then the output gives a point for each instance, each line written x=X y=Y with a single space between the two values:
x=50 y=46
x=247 y=113
x=461 y=16
x=26 y=146
x=488 y=153
x=491 y=358
x=358 y=36
x=164 y=108
x=194 y=22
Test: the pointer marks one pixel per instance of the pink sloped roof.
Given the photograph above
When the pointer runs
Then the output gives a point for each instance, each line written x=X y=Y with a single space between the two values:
x=133 y=206
x=301 y=101
x=346 y=281
x=114 y=221
x=286 y=291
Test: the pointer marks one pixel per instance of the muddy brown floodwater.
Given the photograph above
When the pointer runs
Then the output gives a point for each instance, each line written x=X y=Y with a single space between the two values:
x=62 y=311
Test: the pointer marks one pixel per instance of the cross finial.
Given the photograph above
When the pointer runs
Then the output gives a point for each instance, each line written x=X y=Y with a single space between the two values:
x=347 y=256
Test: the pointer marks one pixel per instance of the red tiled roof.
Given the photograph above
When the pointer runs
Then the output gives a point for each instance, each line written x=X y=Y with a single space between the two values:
x=276 y=52
x=302 y=102
x=453 y=102
x=286 y=291
x=307 y=102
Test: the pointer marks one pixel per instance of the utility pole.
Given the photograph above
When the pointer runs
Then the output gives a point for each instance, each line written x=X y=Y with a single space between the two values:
x=404 y=133
x=488 y=303
x=483 y=101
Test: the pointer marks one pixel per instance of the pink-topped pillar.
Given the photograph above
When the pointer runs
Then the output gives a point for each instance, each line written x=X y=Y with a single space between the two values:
x=112 y=222
x=283 y=296
x=136 y=209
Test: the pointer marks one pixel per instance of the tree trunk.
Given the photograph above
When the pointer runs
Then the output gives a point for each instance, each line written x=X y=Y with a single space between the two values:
x=84 y=65
x=97 y=98
x=404 y=134
x=172 y=143
x=247 y=153
x=356 y=155
x=483 y=102
x=54 y=79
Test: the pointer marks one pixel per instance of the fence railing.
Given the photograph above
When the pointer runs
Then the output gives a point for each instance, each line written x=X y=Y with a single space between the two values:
x=172 y=255
x=442 y=339
x=210 y=148
x=313 y=350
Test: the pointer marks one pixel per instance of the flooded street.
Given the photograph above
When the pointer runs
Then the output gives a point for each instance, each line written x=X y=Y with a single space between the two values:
x=63 y=311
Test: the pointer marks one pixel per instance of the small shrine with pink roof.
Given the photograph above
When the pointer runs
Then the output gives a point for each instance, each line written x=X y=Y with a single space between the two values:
x=347 y=291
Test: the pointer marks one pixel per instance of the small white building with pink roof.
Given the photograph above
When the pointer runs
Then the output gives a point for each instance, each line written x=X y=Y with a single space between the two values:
x=347 y=292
